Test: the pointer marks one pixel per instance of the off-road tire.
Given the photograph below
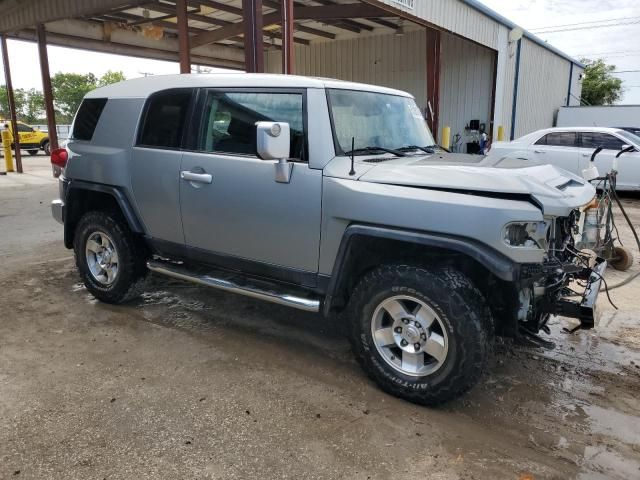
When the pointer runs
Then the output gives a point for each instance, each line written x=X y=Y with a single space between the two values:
x=461 y=308
x=623 y=259
x=33 y=152
x=132 y=255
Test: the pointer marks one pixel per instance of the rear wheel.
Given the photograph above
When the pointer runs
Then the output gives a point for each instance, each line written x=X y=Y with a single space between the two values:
x=422 y=335
x=110 y=259
x=32 y=152
x=46 y=147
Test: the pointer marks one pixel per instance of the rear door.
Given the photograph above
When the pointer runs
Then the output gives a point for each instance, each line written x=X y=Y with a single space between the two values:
x=628 y=163
x=559 y=149
x=155 y=167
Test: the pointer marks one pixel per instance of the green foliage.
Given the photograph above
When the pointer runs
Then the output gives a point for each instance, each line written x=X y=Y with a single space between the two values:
x=599 y=86
x=111 y=77
x=29 y=104
x=70 y=88
x=68 y=91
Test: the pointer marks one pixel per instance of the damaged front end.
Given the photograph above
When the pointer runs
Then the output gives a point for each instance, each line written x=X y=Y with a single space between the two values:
x=567 y=283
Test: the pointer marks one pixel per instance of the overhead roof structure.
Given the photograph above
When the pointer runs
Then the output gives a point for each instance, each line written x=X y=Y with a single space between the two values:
x=216 y=29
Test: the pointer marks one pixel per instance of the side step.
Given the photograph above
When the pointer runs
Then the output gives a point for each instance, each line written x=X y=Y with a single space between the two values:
x=235 y=283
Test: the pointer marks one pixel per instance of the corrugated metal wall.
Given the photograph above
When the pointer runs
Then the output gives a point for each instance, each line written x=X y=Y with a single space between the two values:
x=542 y=89
x=466 y=85
x=455 y=16
x=388 y=60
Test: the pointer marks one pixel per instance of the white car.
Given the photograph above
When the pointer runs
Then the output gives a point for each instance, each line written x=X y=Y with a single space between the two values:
x=571 y=148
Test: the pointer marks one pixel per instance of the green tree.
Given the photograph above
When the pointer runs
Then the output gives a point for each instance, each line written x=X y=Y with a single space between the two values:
x=68 y=91
x=599 y=86
x=111 y=77
x=33 y=109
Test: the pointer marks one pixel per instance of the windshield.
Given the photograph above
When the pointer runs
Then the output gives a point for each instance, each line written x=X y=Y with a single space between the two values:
x=376 y=120
x=630 y=137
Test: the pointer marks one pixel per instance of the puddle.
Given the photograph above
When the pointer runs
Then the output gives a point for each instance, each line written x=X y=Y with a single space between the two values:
x=604 y=464
x=625 y=428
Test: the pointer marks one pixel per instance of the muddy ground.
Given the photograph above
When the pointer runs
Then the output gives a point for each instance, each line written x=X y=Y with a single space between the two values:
x=192 y=383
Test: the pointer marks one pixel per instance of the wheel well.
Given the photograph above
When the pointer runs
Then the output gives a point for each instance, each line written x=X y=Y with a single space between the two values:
x=79 y=202
x=43 y=141
x=366 y=253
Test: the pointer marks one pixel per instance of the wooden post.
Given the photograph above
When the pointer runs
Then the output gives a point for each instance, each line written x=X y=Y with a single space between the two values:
x=183 y=36
x=253 y=46
x=433 y=80
x=288 y=53
x=46 y=87
x=12 y=104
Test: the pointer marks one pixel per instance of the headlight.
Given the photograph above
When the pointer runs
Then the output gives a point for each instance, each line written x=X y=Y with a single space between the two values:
x=526 y=235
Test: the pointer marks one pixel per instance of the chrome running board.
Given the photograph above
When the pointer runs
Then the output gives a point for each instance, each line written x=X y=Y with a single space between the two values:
x=235 y=283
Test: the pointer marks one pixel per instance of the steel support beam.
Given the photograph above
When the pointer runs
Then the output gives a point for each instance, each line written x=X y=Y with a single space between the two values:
x=253 y=48
x=433 y=80
x=12 y=103
x=183 y=36
x=288 y=53
x=46 y=86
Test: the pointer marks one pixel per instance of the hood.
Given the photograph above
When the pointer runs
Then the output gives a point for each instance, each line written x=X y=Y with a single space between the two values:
x=554 y=190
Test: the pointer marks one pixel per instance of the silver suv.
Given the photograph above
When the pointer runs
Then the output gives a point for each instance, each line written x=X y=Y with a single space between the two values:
x=328 y=197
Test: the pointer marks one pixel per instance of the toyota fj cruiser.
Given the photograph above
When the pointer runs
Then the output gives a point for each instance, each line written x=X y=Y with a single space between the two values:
x=329 y=197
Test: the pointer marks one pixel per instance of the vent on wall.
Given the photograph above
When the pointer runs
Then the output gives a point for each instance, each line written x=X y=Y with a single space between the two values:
x=410 y=4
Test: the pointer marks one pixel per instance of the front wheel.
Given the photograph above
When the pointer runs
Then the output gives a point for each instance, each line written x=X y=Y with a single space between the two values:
x=32 y=152
x=110 y=259
x=422 y=335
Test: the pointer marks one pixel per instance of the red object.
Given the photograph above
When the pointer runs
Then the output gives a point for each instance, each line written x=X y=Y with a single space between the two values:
x=59 y=157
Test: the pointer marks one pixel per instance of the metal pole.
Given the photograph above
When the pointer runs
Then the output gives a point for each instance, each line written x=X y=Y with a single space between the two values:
x=183 y=36
x=46 y=87
x=288 y=54
x=433 y=80
x=253 y=37
x=12 y=104
x=516 y=79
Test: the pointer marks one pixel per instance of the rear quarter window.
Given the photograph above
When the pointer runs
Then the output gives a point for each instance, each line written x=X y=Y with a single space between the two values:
x=164 y=119
x=87 y=118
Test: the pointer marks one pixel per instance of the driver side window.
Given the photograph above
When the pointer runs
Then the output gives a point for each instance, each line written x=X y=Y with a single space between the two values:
x=229 y=121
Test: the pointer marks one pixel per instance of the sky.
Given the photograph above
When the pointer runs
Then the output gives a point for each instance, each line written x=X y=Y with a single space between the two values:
x=618 y=45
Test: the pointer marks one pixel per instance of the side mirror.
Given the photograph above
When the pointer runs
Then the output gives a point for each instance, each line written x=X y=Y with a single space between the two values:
x=273 y=142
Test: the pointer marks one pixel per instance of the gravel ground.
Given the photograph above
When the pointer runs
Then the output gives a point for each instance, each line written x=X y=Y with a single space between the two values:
x=193 y=383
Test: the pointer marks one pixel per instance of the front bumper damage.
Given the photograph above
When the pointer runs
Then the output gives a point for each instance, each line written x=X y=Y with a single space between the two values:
x=584 y=309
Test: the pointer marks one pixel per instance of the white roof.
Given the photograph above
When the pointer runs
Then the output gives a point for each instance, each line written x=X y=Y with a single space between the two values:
x=145 y=86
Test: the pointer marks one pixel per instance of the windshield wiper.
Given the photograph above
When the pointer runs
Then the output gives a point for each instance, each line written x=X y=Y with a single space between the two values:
x=373 y=150
x=428 y=149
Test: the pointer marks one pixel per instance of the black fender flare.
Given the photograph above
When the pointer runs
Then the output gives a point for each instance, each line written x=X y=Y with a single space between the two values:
x=121 y=199
x=497 y=263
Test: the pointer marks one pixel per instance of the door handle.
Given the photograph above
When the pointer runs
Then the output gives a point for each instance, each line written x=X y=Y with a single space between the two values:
x=196 y=177
x=586 y=154
x=539 y=151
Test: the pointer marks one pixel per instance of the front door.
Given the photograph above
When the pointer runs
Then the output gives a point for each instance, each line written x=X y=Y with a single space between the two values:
x=233 y=210
x=559 y=149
